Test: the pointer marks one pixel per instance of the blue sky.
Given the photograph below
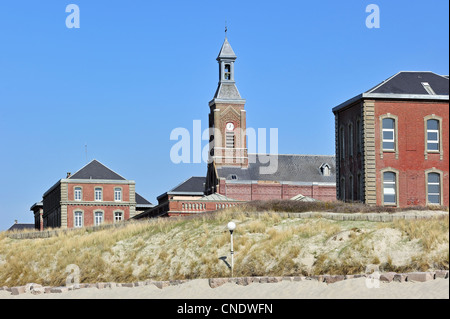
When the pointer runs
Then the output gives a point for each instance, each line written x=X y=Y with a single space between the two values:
x=136 y=70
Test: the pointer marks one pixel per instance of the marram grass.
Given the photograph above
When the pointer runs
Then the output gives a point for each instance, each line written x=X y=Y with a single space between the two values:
x=198 y=247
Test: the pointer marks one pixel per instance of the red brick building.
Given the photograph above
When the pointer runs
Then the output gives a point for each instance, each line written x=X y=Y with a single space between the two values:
x=93 y=195
x=392 y=142
x=236 y=174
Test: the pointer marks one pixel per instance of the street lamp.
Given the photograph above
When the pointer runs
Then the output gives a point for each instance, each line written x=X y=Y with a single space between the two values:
x=231 y=227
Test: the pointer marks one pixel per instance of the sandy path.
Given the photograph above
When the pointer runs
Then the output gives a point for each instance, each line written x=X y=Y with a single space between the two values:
x=199 y=289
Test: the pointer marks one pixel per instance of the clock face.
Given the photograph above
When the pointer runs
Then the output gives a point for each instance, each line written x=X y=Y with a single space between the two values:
x=230 y=126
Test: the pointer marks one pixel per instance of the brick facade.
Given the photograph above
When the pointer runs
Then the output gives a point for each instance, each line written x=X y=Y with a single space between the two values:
x=362 y=162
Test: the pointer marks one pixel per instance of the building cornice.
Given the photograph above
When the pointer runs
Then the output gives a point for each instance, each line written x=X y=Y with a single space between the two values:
x=391 y=96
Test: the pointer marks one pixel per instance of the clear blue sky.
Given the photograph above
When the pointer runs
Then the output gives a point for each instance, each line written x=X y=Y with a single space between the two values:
x=136 y=70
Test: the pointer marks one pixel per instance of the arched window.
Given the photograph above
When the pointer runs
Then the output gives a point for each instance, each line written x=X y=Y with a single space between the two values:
x=350 y=139
x=118 y=216
x=388 y=134
x=434 y=188
x=78 y=219
x=341 y=143
x=389 y=188
x=98 y=193
x=78 y=194
x=433 y=135
x=227 y=74
x=117 y=194
x=98 y=218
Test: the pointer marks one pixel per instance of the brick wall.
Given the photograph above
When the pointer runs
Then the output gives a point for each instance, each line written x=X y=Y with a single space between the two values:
x=411 y=160
x=268 y=191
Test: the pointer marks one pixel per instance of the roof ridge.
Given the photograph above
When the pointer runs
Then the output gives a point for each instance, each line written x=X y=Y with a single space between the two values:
x=95 y=160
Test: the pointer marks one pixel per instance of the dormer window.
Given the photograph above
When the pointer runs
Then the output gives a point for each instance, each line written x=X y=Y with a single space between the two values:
x=325 y=169
x=227 y=74
x=428 y=88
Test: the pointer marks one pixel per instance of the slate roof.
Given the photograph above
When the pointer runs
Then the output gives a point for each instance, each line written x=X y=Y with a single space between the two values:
x=406 y=85
x=141 y=200
x=18 y=226
x=291 y=168
x=411 y=83
x=226 y=52
x=228 y=91
x=96 y=170
x=194 y=184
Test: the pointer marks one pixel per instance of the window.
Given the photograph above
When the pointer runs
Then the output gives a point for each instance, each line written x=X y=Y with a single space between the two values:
x=227 y=72
x=350 y=181
x=98 y=194
x=325 y=169
x=389 y=188
x=434 y=188
x=433 y=135
x=350 y=139
x=359 y=188
x=428 y=88
x=229 y=140
x=78 y=193
x=341 y=143
x=98 y=218
x=388 y=134
x=78 y=219
x=358 y=135
x=118 y=194
x=118 y=216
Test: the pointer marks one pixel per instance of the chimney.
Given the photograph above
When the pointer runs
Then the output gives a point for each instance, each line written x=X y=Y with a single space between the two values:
x=68 y=174
x=15 y=221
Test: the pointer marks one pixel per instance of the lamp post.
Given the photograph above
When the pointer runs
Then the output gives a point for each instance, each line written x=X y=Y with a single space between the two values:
x=231 y=227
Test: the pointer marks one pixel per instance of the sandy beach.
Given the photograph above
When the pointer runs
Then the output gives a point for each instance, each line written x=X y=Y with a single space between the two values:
x=310 y=289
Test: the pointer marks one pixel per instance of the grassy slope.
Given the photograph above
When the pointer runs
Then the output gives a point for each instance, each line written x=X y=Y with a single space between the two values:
x=268 y=245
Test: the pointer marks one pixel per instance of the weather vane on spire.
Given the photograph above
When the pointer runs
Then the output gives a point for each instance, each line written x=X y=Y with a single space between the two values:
x=226 y=29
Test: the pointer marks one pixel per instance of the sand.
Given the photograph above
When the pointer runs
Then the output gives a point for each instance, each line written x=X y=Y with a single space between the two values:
x=311 y=289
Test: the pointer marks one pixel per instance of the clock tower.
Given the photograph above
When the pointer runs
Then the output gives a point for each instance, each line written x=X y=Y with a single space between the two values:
x=227 y=116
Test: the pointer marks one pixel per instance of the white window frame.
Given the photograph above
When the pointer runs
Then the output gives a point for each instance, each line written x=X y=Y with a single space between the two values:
x=78 y=193
x=78 y=219
x=98 y=221
x=427 y=183
x=395 y=183
x=98 y=190
x=440 y=150
x=121 y=216
x=385 y=130
x=117 y=191
x=437 y=141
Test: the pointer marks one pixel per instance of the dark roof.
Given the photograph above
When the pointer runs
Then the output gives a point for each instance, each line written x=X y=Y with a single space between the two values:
x=141 y=200
x=18 y=226
x=194 y=184
x=411 y=83
x=406 y=85
x=96 y=170
x=291 y=168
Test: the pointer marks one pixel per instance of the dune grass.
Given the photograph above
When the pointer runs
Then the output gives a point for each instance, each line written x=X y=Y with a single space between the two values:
x=187 y=248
